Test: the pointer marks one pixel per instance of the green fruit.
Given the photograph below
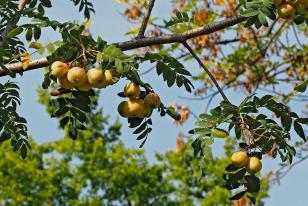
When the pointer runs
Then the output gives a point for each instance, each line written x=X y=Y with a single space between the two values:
x=123 y=109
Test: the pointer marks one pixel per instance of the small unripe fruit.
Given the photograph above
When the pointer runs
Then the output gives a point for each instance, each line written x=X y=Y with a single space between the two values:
x=254 y=165
x=111 y=75
x=59 y=69
x=286 y=10
x=96 y=78
x=152 y=100
x=219 y=133
x=85 y=87
x=239 y=158
x=132 y=91
x=77 y=76
x=123 y=109
x=64 y=83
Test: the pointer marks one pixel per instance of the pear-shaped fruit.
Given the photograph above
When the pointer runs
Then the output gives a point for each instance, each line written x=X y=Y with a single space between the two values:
x=111 y=76
x=77 y=76
x=146 y=111
x=97 y=78
x=254 y=165
x=286 y=10
x=239 y=158
x=135 y=108
x=59 y=69
x=132 y=91
x=152 y=100
x=64 y=83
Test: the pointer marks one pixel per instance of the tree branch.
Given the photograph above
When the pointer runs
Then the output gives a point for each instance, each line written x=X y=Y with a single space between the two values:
x=149 y=41
x=11 y=24
x=206 y=70
x=173 y=38
x=17 y=67
x=224 y=42
x=145 y=20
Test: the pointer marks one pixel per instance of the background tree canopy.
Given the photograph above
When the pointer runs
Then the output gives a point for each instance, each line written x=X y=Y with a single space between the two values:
x=257 y=47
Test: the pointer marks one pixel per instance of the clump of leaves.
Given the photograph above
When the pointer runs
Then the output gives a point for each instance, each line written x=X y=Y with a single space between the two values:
x=257 y=132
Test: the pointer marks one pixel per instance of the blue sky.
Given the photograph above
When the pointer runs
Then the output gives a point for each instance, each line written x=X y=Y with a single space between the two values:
x=109 y=24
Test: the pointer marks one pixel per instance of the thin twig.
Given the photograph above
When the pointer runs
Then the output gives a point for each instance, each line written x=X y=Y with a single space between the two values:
x=224 y=42
x=282 y=175
x=296 y=36
x=145 y=20
x=206 y=70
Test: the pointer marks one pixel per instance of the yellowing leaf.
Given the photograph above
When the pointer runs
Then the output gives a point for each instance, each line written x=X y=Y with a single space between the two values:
x=25 y=60
x=24 y=55
x=25 y=64
x=35 y=45
x=122 y=1
x=88 y=23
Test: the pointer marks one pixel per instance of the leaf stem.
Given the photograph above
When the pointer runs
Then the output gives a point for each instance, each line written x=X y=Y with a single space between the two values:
x=145 y=20
x=206 y=70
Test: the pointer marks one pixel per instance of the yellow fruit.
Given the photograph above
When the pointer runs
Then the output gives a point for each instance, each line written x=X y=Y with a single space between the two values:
x=146 y=111
x=123 y=109
x=111 y=76
x=239 y=158
x=152 y=100
x=277 y=2
x=286 y=10
x=59 y=69
x=219 y=133
x=135 y=107
x=77 y=76
x=132 y=91
x=96 y=78
x=85 y=87
x=64 y=83
x=254 y=165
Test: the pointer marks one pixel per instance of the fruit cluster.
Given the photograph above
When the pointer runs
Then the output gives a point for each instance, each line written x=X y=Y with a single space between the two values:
x=137 y=105
x=81 y=79
x=241 y=159
x=288 y=8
